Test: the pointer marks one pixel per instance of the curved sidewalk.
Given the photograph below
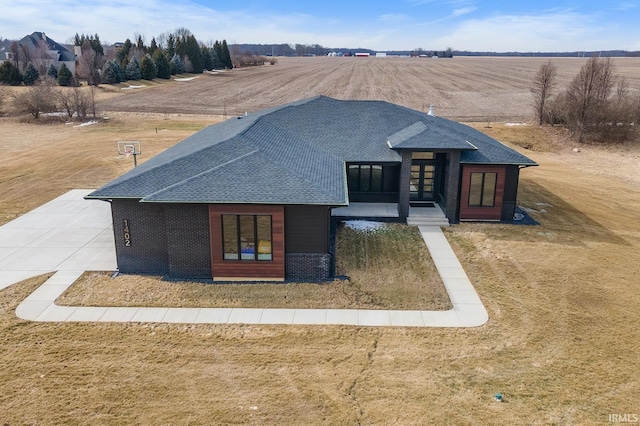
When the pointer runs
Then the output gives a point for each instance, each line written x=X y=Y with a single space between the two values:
x=92 y=248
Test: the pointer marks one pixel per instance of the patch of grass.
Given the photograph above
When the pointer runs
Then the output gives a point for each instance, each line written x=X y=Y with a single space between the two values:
x=387 y=269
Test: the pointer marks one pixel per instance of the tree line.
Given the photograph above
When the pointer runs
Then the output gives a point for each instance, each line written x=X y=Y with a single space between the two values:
x=597 y=104
x=171 y=53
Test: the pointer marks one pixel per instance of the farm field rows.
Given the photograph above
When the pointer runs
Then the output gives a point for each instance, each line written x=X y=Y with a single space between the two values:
x=462 y=88
x=560 y=345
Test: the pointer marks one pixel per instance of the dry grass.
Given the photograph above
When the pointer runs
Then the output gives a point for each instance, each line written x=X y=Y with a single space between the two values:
x=387 y=269
x=561 y=343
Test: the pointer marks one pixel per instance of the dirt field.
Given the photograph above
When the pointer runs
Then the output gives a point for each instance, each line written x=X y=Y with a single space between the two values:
x=462 y=88
x=561 y=344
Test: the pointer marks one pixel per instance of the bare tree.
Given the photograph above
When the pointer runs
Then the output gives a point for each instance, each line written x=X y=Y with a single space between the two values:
x=543 y=85
x=40 y=57
x=75 y=101
x=89 y=63
x=587 y=95
x=35 y=100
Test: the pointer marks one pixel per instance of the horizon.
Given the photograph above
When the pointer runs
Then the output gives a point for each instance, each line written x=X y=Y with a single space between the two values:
x=462 y=25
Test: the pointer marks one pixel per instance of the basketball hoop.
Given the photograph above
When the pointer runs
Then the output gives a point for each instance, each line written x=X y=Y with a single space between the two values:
x=128 y=148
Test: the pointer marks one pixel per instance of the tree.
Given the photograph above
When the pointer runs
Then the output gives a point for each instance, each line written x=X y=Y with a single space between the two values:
x=543 y=84
x=148 y=68
x=587 y=95
x=162 y=63
x=153 y=46
x=35 y=100
x=89 y=64
x=111 y=72
x=177 y=67
x=226 y=56
x=30 y=75
x=207 y=60
x=52 y=72
x=64 y=76
x=133 y=69
x=124 y=52
x=10 y=74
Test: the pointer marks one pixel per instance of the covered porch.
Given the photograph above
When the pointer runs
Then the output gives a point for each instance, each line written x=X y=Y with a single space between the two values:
x=429 y=214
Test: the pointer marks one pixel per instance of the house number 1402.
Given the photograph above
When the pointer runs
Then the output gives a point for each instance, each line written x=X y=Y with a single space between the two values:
x=127 y=234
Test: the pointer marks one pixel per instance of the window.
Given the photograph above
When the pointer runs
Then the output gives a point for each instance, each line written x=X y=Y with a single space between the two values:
x=422 y=155
x=246 y=237
x=482 y=191
x=365 y=177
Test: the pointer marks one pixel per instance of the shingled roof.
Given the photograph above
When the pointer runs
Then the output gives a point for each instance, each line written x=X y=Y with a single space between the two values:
x=296 y=154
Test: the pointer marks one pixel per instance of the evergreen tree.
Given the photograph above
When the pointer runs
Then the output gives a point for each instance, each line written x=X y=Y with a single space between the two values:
x=226 y=56
x=207 y=59
x=171 y=45
x=64 y=76
x=52 y=72
x=123 y=54
x=177 y=67
x=153 y=46
x=111 y=72
x=30 y=75
x=148 y=68
x=133 y=69
x=10 y=74
x=164 y=68
x=217 y=55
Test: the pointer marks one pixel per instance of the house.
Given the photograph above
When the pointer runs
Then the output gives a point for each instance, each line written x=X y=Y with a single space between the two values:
x=41 y=50
x=251 y=198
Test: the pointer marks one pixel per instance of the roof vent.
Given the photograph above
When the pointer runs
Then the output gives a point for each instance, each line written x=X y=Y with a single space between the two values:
x=431 y=113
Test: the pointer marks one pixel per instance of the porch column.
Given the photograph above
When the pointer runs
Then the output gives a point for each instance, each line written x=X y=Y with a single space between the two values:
x=405 y=185
x=452 y=186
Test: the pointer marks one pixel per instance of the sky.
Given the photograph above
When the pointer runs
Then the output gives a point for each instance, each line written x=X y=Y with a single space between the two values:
x=473 y=25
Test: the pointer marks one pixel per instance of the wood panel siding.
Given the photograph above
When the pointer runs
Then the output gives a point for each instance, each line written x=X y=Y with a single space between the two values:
x=493 y=213
x=510 y=192
x=227 y=270
x=307 y=229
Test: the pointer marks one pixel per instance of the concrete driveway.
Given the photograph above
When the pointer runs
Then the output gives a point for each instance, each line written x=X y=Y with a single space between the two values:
x=65 y=234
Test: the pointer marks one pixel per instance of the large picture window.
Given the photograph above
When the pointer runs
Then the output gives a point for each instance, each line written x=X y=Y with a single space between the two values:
x=246 y=237
x=482 y=191
x=365 y=177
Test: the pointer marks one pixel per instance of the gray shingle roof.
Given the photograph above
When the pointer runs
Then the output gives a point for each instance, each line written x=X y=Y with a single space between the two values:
x=295 y=154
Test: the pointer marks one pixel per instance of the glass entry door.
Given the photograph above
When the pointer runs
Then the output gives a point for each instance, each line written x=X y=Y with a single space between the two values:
x=422 y=180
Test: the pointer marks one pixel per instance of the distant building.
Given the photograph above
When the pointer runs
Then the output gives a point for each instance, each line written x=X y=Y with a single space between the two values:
x=41 y=51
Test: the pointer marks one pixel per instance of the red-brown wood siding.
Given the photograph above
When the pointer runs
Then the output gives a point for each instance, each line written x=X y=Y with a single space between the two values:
x=221 y=268
x=481 y=213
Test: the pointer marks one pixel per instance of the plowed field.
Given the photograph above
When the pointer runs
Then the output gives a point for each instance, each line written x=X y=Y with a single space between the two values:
x=462 y=88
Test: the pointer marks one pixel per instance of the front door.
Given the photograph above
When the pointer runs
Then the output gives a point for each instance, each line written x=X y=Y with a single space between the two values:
x=423 y=175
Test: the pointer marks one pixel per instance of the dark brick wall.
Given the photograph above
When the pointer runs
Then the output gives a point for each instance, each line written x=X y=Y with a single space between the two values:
x=452 y=187
x=405 y=181
x=308 y=266
x=510 y=193
x=145 y=249
x=189 y=249
x=306 y=229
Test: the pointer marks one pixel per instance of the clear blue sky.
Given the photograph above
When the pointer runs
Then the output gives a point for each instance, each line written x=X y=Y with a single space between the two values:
x=499 y=26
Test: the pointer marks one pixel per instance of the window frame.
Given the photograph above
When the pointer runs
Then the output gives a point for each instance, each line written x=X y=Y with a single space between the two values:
x=238 y=239
x=483 y=190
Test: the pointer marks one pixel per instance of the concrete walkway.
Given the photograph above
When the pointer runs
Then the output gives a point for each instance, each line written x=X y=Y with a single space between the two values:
x=71 y=235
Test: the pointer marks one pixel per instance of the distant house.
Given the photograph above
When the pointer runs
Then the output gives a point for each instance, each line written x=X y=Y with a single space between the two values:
x=42 y=51
x=252 y=198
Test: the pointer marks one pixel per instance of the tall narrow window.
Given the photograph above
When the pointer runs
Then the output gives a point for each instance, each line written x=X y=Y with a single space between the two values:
x=482 y=189
x=246 y=237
